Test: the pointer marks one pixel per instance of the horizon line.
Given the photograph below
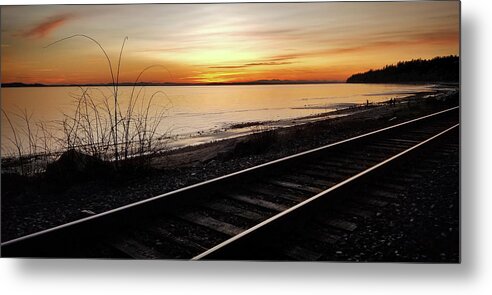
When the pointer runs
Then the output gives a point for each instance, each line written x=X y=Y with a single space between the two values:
x=167 y=83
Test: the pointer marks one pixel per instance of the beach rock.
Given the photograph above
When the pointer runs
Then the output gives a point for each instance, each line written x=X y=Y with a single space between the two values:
x=74 y=165
x=88 y=212
x=256 y=145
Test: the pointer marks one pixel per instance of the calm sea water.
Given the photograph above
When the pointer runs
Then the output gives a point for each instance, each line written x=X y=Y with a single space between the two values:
x=202 y=109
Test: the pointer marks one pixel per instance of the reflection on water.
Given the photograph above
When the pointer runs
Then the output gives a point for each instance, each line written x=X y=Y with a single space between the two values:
x=205 y=109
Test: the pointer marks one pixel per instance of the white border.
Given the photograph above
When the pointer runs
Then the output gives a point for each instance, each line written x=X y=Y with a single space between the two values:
x=23 y=276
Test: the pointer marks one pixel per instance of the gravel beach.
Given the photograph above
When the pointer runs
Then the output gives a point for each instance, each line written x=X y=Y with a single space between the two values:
x=29 y=205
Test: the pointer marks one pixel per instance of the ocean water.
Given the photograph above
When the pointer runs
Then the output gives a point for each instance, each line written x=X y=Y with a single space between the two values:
x=195 y=111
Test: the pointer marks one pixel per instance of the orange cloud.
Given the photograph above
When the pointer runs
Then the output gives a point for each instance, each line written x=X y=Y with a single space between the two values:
x=252 y=64
x=48 y=26
x=421 y=39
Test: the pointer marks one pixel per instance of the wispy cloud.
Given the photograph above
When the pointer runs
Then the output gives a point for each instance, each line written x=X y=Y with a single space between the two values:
x=252 y=64
x=48 y=26
x=229 y=67
x=271 y=63
x=421 y=39
x=442 y=37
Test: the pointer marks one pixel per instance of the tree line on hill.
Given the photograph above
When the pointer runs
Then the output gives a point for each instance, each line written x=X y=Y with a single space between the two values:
x=438 y=69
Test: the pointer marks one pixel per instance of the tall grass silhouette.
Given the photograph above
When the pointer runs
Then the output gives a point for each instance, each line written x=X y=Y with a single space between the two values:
x=97 y=125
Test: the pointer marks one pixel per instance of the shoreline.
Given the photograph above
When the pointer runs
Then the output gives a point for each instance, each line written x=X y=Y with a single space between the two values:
x=150 y=84
x=177 y=139
x=333 y=110
x=226 y=143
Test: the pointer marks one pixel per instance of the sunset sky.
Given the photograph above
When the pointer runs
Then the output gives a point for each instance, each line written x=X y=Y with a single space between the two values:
x=203 y=43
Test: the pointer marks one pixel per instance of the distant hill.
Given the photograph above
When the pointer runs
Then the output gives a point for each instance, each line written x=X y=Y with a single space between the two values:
x=20 y=84
x=257 y=82
x=438 y=69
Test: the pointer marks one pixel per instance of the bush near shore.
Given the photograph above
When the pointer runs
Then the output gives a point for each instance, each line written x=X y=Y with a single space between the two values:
x=99 y=127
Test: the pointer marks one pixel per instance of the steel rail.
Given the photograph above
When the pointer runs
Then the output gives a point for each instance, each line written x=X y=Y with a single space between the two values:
x=318 y=196
x=215 y=180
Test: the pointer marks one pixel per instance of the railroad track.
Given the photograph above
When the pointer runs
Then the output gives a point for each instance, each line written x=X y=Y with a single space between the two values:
x=323 y=227
x=217 y=218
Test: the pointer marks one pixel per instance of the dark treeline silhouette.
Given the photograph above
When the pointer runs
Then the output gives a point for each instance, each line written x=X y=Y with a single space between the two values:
x=438 y=69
